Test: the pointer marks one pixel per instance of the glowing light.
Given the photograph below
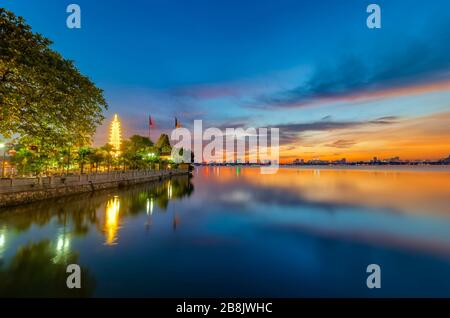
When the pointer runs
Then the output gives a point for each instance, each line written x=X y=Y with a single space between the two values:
x=112 y=220
x=150 y=206
x=62 y=248
x=2 y=241
x=115 y=135
x=60 y=245
x=169 y=190
x=63 y=244
x=2 y=145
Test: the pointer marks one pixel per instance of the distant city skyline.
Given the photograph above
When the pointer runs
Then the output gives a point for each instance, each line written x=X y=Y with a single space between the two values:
x=374 y=161
x=334 y=88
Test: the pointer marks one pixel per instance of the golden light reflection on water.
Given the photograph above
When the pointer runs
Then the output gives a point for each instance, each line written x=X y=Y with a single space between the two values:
x=150 y=206
x=112 y=220
x=412 y=190
x=2 y=241
x=62 y=248
x=169 y=190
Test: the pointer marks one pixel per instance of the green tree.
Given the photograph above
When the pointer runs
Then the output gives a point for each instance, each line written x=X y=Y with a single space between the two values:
x=83 y=157
x=96 y=157
x=107 y=153
x=136 y=151
x=44 y=99
x=140 y=142
x=22 y=160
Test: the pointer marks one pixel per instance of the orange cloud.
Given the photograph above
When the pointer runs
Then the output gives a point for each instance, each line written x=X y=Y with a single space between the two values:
x=425 y=137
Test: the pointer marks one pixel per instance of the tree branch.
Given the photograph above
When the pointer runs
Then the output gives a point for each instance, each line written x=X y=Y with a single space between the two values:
x=3 y=77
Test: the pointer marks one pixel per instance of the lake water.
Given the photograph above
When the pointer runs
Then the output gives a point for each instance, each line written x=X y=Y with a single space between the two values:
x=233 y=232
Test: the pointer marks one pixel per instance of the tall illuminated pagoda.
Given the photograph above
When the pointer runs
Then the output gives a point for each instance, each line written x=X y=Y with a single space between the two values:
x=115 y=135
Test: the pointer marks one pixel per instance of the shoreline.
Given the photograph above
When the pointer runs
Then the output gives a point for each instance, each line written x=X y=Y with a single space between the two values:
x=399 y=168
x=21 y=195
x=393 y=168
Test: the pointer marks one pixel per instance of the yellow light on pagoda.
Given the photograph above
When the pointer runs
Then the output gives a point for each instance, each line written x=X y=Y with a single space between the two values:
x=115 y=135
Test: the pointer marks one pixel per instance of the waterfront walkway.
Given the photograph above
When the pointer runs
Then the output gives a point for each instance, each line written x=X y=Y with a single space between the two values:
x=15 y=191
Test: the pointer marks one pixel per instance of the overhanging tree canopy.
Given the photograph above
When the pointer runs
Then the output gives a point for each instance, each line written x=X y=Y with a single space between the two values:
x=43 y=97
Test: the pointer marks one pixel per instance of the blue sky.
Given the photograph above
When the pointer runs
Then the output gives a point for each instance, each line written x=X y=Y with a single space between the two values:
x=256 y=62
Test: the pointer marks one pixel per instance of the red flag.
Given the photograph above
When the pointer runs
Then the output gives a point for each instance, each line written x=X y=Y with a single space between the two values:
x=151 y=124
x=177 y=123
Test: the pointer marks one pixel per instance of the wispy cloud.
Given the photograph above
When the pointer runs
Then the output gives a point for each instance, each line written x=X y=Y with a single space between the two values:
x=411 y=65
x=291 y=132
x=423 y=137
x=341 y=143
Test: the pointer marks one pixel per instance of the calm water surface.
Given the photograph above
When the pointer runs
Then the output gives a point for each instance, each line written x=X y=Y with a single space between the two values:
x=234 y=232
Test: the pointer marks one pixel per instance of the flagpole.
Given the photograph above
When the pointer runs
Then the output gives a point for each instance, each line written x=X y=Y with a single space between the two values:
x=150 y=123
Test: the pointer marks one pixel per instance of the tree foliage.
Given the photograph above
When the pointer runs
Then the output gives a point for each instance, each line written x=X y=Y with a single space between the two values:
x=44 y=99
x=136 y=151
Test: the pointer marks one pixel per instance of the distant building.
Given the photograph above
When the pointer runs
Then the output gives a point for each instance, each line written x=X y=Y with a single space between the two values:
x=343 y=161
x=299 y=162
x=318 y=162
x=446 y=160
x=375 y=160
x=165 y=156
x=394 y=160
x=115 y=135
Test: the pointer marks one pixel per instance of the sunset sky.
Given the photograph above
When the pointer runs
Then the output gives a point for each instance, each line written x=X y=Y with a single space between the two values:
x=312 y=68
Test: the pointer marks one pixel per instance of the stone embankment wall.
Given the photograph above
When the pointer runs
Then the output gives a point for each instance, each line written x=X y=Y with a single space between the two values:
x=18 y=191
